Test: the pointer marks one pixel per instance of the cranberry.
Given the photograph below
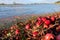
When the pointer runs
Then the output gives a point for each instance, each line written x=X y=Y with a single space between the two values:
x=53 y=18
x=11 y=28
x=17 y=31
x=35 y=33
x=49 y=36
x=47 y=22
x=43 y=19
x=27 y=26
x=38 y=23
x=58 y=37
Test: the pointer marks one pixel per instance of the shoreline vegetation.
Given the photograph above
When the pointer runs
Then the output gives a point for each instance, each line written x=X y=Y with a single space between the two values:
x=58 y=2
x=14 y=3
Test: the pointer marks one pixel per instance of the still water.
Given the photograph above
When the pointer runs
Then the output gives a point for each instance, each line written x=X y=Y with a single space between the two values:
x=18 y=10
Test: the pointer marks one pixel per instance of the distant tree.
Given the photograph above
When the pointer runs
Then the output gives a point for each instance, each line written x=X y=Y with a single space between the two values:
x=2 y=4
x=58 y=2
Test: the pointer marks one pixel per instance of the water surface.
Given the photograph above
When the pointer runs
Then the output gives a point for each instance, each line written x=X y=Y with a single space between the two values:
x=18 y=10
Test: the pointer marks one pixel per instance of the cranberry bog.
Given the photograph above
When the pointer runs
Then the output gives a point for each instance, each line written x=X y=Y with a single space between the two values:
x=41 y=27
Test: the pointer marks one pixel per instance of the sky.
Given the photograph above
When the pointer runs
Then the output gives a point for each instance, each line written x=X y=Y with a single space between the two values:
x=27 y=1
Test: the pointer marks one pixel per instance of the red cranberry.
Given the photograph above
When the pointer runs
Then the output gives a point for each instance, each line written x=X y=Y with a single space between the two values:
x=27 y=26
x=35 y=33
x=52 y=18
x=49 y=36
x=11 y=28
x=17 y=31
x=43 y=19
x=47 y=22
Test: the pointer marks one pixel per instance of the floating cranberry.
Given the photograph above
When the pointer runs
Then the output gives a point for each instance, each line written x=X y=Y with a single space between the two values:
x=49 y=36
x=53 y=18
x=35 y=33
x=47 y=22
x=43 y=19
x=17 y=31
x=27 y=26
x=11 y=28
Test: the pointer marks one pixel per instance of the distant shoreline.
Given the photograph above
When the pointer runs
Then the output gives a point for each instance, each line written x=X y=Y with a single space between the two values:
x=28 y=4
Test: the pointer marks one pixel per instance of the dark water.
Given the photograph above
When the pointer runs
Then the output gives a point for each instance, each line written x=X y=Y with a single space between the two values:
x=7 y=11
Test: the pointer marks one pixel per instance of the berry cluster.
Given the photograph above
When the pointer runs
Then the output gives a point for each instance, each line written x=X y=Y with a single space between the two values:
x=40 y=28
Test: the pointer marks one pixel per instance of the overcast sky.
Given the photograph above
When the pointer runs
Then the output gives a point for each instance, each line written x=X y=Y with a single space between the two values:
x=28 y=1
